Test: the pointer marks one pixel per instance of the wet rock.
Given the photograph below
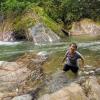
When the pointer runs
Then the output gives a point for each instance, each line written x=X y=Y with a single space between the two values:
x=7 y=98
x=92 y=88
x=71 y=92
x=12 y=74
x=43 y=35
x=86 y=73
x=23 y=97
x=7 y=95
x=45 y=97
x=97 y=71
x=91 y=72
x=57 y=81
x=89 y=68
x=21 y=77
x=43 y=55
x=80 y=73
x=89 y=89
x=1 y=95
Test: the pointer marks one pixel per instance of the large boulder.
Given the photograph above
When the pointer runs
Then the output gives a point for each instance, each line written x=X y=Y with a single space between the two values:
x=84 y=27
x=42 y=34
x=92 y=88
x=25 y=76
x=12 y=75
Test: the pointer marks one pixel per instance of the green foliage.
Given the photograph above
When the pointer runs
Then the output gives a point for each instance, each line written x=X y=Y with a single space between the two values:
x=60 y=10
x=44 y=18
x=31 y=17
x=13 y=7
x=51 y=11
x=72 y=10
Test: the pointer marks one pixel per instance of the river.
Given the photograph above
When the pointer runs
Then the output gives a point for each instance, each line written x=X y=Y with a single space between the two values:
x=90 y=49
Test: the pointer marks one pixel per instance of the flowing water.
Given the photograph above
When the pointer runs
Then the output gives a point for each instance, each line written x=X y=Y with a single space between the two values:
x=90 y=49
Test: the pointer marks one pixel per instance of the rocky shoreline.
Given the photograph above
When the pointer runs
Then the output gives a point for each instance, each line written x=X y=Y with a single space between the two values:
x=89 y=89
x=20 y=77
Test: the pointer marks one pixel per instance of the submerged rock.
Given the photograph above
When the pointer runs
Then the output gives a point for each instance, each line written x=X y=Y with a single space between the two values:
x=57 y=81
x=89 y=89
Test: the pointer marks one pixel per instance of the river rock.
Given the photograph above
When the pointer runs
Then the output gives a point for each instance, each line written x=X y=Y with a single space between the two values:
x=11 y=75
x=43 y=55
x=97 y=71
x=89 y=68
x=71 y=92
x=92 y=88
x=23 y=97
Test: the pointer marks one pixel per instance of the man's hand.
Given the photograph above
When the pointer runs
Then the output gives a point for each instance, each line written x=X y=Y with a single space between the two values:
x=82 y=59
x=63 y=60
x=82 y=69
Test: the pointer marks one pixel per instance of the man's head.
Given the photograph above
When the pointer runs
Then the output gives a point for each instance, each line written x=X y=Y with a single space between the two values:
x=73 y=47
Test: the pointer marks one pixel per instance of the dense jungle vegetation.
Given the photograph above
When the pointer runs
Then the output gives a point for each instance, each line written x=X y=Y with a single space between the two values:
x=63 y=12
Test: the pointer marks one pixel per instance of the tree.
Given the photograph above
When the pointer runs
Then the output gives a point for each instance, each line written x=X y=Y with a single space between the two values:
x=68 y=11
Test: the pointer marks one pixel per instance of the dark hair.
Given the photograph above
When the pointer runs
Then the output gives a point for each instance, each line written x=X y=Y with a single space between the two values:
x=74 y=45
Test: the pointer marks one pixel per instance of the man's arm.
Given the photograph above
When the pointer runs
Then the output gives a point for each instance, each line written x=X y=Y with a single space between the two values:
x=65 y=56
x=82 y=60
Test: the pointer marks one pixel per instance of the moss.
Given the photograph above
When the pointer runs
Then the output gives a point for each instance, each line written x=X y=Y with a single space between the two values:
x=23 y=22
x=32 y=16
x=44 y=18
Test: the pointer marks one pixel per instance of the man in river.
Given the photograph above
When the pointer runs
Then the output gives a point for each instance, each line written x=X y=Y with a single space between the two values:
x=71 y=57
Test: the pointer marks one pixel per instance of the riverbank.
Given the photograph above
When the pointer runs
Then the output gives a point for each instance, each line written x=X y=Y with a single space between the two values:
x=23 y=76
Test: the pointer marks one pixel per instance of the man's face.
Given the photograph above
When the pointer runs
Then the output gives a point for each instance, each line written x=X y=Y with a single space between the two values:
x=73 y=48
